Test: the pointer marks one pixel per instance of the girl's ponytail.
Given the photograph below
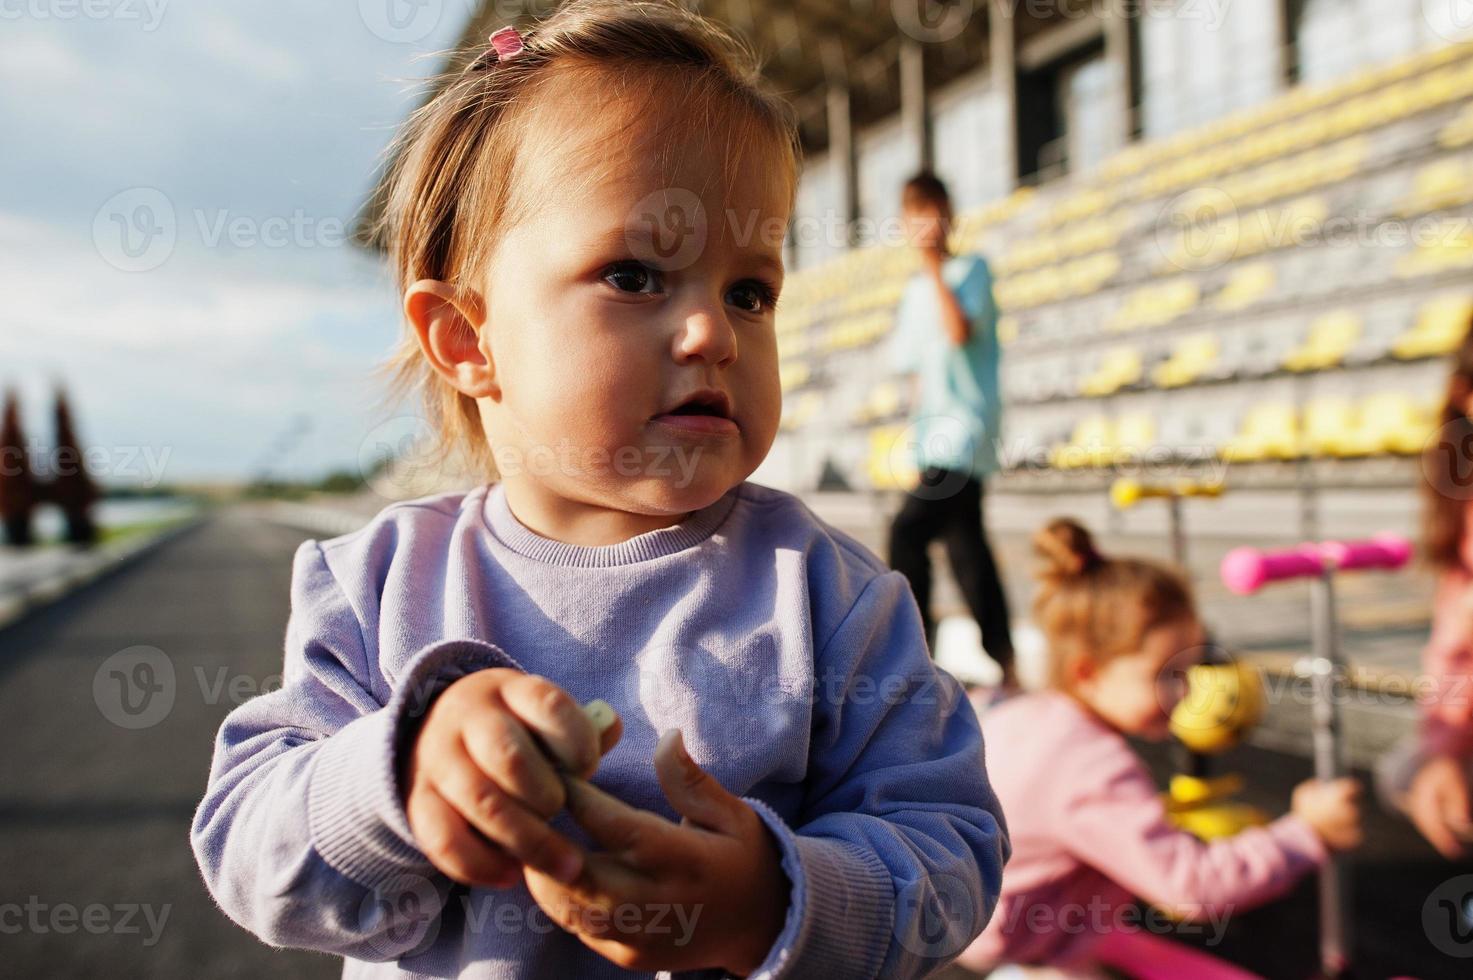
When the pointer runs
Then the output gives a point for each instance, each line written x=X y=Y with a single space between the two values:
x=1067 y=549
x=1098 y=607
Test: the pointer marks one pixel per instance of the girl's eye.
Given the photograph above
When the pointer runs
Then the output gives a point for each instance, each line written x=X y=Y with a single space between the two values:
x=754 y=296
x=633 y=277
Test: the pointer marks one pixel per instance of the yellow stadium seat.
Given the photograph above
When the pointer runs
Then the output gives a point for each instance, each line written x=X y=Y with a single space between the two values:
x=1118 y=368
x=1441 y=325
x=1451 y=248
x=1154 y=306
x=1007 y=330
x=1135 y=433
x=1393 y=422
x=794 y=375
x=1188 y=360
x=1247 y=286
x=1268 y=432
x=1459 y=132
x=889 y=464
x=1440 y=185
x=1331 y=428
x=797 y=414
x=1330 y=338
x=1092 y=444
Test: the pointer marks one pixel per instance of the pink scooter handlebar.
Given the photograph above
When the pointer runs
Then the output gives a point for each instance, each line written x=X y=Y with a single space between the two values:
x=1246 y=570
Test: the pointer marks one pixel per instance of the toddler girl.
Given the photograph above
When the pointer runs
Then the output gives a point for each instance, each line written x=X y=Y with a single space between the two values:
x=1089 y=830
x=587 y=225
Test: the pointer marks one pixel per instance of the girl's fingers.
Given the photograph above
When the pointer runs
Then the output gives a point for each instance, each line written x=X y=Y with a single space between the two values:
x=552 y=715
x=610 y=736
x=507 y=822
x=604 y=897
x=501 y=747
x=638 y=836
x=694 y=793
x=454 y=847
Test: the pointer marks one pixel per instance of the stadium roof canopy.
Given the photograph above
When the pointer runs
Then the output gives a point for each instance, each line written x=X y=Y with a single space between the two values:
x=808 y=46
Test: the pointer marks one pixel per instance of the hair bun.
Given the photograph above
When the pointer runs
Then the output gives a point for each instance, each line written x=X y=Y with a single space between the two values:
x=1067 y=549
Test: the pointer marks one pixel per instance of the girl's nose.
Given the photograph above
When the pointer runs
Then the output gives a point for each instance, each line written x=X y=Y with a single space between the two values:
x=707 y=334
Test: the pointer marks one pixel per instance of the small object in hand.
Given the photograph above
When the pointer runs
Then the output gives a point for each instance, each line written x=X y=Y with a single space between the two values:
x=600 y=713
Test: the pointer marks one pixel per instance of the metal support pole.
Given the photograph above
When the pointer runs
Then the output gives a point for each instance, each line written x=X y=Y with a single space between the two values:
x=1330 y=763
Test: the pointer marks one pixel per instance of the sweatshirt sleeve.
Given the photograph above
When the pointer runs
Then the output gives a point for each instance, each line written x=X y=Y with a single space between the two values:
x=1447 y=661
x=1113 y=819
x=896 y=859
x=302 y=836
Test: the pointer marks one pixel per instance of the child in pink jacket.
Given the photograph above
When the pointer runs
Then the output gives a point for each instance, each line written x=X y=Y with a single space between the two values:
x=1089 y=829
x=1430 y=776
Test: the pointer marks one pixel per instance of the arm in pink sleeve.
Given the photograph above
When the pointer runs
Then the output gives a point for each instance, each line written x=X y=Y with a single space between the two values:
x=1117 y=823
x=1447 y=662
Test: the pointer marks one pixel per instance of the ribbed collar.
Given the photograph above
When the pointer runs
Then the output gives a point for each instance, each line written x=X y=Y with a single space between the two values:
x=697 y=527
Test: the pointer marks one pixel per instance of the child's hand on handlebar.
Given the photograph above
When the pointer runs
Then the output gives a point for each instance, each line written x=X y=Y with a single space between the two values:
x=1332 y=809
x=1438 y=804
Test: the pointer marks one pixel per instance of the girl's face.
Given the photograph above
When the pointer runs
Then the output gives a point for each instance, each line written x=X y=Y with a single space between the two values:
x=617 y=302
x=1135 y=692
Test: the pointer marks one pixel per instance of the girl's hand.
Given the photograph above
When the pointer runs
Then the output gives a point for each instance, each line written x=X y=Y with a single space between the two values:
x=1438 y=804
x=481 y=786
x=707 y=892
x=1332 y=809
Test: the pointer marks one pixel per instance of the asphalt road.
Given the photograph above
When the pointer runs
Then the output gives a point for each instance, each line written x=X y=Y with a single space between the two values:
x=99 y=880
x=99 y=789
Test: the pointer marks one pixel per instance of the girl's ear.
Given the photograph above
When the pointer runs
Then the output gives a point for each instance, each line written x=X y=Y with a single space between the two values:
x=1079 y=669
x=447 y=320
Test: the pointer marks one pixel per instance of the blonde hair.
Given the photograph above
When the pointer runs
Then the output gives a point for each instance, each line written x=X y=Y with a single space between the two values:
x=452 y=188
x=1096 y=607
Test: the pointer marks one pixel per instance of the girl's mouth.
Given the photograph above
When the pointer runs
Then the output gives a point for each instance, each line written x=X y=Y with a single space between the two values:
x=697 y=423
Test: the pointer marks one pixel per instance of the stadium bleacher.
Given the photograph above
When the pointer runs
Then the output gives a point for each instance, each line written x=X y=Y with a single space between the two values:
x=1312 y=250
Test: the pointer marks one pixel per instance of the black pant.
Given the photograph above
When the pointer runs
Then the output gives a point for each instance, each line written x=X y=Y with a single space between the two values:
x=948 y=504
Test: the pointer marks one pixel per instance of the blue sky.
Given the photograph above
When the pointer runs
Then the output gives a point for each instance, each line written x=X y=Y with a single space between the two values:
x=174 y=188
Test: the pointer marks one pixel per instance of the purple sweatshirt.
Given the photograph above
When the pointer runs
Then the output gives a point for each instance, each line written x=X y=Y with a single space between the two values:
x=792 y=659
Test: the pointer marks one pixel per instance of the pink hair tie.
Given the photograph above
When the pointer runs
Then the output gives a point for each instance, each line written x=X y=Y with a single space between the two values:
x=506 y=44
